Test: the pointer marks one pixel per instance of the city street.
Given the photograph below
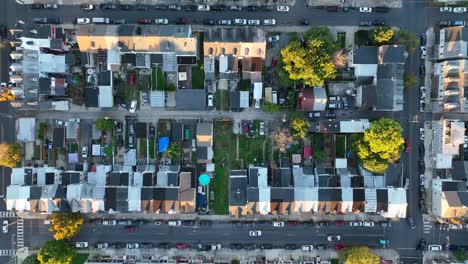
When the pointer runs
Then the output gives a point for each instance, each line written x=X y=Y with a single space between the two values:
x=413 y=16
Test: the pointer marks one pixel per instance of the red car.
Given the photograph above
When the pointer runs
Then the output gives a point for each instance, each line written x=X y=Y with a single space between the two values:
x=339 y=247
x=182 y=21
x=294 y=223
x=181 y=245
x=407 y=147
x=145 y=21
x=274 y=61
x=130 y=229
x=340 y=223
x=131 y=78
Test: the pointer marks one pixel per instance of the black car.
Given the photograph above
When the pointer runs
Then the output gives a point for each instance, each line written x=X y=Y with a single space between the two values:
x=378 y=22
x=250 y=247
x=251 y=8
x=365 y=23
x=423 y=39
x=422 y=69
x=291 y=246
x=218 y=7
x=411 y=222
x=330 y=115
x=421 y=245
x=118 y=245
x=146 y=245
x=164 y=245
x=236 y=246
x=444 y=23
x=381 y=9
x=174 y=7
x=141 y=7
x=160 y=7
x=120 y=141
x=118 y=127
x=209 y=22
x=266 y=246
x=126 y=7
x=190 y=8
x=152 y=132
x=206 y=223
x=305 y=22
x=188 y=223
x=108 y=6
x=422 y=166
x=321 y=247
x=267 y=8
x=118 y=21
x=47 y=20
x=349 y=9
x=37 y=6
x=3 y=31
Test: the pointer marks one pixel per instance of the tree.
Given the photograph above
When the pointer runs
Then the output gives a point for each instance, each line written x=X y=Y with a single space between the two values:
x=380 y=145
x=310 y=63
x=339 y=59
x=270 y=107
x=319 y=155
x=56 y=252
x=105 y=124
x=358 y=255
x=382 y=34
x=10 y=155
x=6 y=95
x=173 y=152
x=323 y=34
x=32 y=259
x=66 y=225
x=409 y=80
x=282 y=140
x=404 y=37
x=300 y=127
x=461 y=255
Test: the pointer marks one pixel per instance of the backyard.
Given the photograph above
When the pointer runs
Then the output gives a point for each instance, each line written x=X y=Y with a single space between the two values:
x=222 y=100
x=198 y=77
x=157 y=79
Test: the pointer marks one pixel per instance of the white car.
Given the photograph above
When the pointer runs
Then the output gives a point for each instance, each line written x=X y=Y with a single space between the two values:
x=434 y=247
x=421 y=105
x=333 y=238
x=210 y=100
x=253 y=22
x=422 y=91
x=421 y=133
x=84 y=152
x=102 y=245
x=282 y=8
x=83 y=21
x=174 y=223
x=261 y=128
x=278 y=224
x=459 y=9
x=133 y=245
x=87 y=7
x=422 y=179
x=307 y=247
x=368 y=224
x=51 y=6
x=133 y=106
x=255 y=233
x=269 y=22
x=365 y=9
x=239 y=21
x=81 y=244
x=465 y=143
x=446 y=9
x=236 y=8
x=161 y=21
x=355 y=223
x=109 y=222
x=203 y=8
x=5 y=226
x=273 y=39
x=423 y=52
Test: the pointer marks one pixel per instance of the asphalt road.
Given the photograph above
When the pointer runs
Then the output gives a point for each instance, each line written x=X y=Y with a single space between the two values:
x=414 y=16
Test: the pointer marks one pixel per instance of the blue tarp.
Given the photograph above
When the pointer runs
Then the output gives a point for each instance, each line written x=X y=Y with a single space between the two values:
x=201 y=200
x=163 y=144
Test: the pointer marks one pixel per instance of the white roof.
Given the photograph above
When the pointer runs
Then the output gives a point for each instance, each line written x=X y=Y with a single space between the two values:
x=244 y=99
x=98 y=178
x=443 y=161
x=130 y=157
x=258 y=90
x=365 y=70
x=210 y=167
x=52 y=63
x=113 y=58
x=347 y=197
x=320 y=99
x=61 y=105
x=341 y=163
x=397 y=203
x=223 y=63
x=96 y=150
x=264 y=197
x=354 y=126
x=138 y=179
x=97 y=204
x=209 y=63
x=26 y=129
x=305 y=199
x=157 y=99
x=105 y=99
x=134 y=199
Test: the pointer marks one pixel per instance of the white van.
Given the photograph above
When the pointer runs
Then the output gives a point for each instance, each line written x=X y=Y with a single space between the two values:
x=100 y=20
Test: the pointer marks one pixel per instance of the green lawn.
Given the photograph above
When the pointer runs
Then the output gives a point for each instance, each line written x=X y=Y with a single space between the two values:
x=157 y=77
x=142 y=147
x=198 y=77
x=252 y=150
x=224 y=148
x=37 y=152
x=340 y=145
x=245 y=85
x=222 y=100
x=152 y=145
x=80 y=258
x=73 y=148
x=341 y=41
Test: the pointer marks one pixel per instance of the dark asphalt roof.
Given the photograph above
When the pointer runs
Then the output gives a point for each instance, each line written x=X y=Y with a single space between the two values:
x=389 y=86
x=184 y=60
x=234 y=34
x=392 y=54
x=202 y=153
x=59 y=136
x=49 y=178
x=44 y=85
x=366 y=55
x=119 y=179
x=191 y=99
x=281 y=177
x=285 y=162
x=282 y=194
x=253 y=195
x=238 y=188
x=463 y=196
x=253 y=177
x=234 y=100
x=147 y=194
x=140 y=129
x=128 y=58
x=329 y=195
x=148 y=179
x=35 y=192
x=460 y=170
x=172 y=179
x=177 y=131
x=105 y=78
x=156 y=58
x=91 y=97
x=453 y=186
x=357 y=181
x=358 y=195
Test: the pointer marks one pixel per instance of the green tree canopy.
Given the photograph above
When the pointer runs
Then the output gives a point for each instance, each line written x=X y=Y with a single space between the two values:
x=311 y=63
x=380 y=145
x=105 y=124
x=382 y=34
x=404 y=37
x=56 y=252
x=323 y=34
x=66 y=225
x=358 y=255
x=173 y=152
x=10 y=155
x=270 y=107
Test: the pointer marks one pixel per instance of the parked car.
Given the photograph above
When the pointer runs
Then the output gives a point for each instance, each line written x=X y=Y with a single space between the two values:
x=81 y=244
x=218 y=8
x=365 y=23
x=84 y=152
x=252 y=8
x=330 y=115
x=459 y=9
x=368 y=224
x=411 y=222
x=291 y=246
x=261 y=128
x=108 y=6
x=255 y=233
x=160 y=7
x=236 y=8
x=274 y=38
x=51 y=6
x=174 y=7
x=101 y=245
x=421 y=245
x=87 y=7
x=161 y=21
x=422 y=92
x=365 y=9
x=457 y=23
x=282 y=8
x=444 y=23
x=381 y=9
x=224 y=22
x=82 y=20
x=181 y=245
x=130 y=229
x=423 y=39
x=210 y=100
x=278 y=223
x=378 y=22
x=239 y=21
x=334 y=238
x=146 y=245
x=118 y=245
x=47 y=20
x=209 y=22
x=37 y=6
x=144 y=97
x=5 y=226
x=434 y=247
x=314 y=115
x=355 y=223
x=174 y=223
x=126 y=7
x=144 y=21
x=133 y=106
x=152 y=132
x=421 y=133
x=182 y=21
x=109 y=222
x=269 y=22
x=203 y=8
x=445 y=9
x=307 y=247
x=253 y=22
x=118 y=21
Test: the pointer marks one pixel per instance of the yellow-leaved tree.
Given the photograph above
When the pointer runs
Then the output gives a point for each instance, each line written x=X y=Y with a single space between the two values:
x=382 y=34
x=6 y=95
x=380 y=145
x=56 y=252
x=310 y=63
x=10 y=155
x=358 y=255
x=300 y=127
x=65 y=225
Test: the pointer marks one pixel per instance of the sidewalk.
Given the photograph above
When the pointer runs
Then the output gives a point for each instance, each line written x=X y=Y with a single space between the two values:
x=217 y=218
x=356 y=3
x=166 y=2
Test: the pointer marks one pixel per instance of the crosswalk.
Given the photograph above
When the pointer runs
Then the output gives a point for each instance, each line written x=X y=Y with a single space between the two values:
x=7 y=252
x=6 y=214
x=427 y=227
x=20 y=233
